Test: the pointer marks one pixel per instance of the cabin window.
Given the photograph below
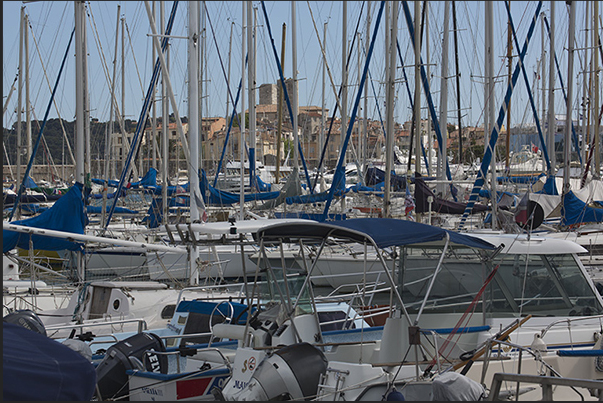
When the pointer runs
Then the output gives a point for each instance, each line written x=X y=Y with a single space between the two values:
x=539 y=285
x=168 y=311
x=116 y=304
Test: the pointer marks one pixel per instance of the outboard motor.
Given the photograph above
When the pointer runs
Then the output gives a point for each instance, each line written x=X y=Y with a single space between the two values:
x=291 y=373
x=112 y=380
x=28 y=319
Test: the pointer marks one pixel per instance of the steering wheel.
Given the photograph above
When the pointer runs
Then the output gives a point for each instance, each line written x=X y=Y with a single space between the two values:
x=227 y=317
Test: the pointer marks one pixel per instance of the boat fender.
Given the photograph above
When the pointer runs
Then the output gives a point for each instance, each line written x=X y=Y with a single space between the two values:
x=395 y=396
x=27 y=319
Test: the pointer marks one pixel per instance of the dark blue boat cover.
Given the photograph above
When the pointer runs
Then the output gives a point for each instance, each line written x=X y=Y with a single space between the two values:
x=35 y=367
x=575 y=211
x=385 y=232
x=217 y=197
x=66 y=214
x=388 y=232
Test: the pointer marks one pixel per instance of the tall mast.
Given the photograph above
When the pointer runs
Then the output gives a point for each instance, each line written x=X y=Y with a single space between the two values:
x=27 y=102
x=597 y=171
x=344 y=80
x=294 y=97
x=458 y=79
x=154 y=113
x=391 y=76
x=251 y=93
x=489 y=115
x=165 y=119
x=230 y=150
x=444 y=97
x=321 y=142
x=279 y=107
x=365 y=122
x=552 y=127
x=417 y=100
x=568 y=115
x=242 y=120
x=509 y=72
x=20 y=100
x=193 y=126
x=79 y=93
x=124 y=139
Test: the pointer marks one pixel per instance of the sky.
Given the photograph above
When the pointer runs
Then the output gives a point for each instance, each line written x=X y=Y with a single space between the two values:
x=51 y=23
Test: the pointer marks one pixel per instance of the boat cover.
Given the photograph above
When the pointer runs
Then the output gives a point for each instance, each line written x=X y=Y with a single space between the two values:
x=575 y=211
x=35 y=367
x=66 y=214
x=213 y=196
x=385 y=232
x=439 y=205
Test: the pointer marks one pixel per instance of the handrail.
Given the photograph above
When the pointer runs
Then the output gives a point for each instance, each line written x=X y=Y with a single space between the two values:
x=142 y=324
x=547 y=383
x=568 y=321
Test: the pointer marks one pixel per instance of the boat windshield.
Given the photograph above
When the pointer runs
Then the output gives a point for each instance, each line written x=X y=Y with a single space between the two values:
x=536 y=284
x=285 y=287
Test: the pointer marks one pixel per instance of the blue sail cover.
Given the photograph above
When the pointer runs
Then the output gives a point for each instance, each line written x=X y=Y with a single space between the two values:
x=36 y=367
x=29 y=183
x=338 y=183
x=549 y=188
x=387 y=232
x=148 y=180
x=575 y=211
x=375 y=176
x=217 y=197
x=66 y=214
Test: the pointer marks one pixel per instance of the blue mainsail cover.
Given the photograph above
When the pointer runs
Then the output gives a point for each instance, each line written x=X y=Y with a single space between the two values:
x=36 y=367
x=387 y=232
x=338 y=183
x=148 y=180
x=29 y=183
x=67 y=214
x=217 y=197
x=575 y=211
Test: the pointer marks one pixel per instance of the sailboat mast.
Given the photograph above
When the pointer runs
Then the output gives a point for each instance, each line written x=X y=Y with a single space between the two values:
x=568 y=115
x=251 y=94
x=294 y=100
x=552 y=127
x=20 y=103
x=344 y=79
x=280 y=93
x=458 y=79
x=443 y=98
x=417 y=100
x=27 y=102
x=165 y=119
x=242 y=120
x=389 y=131
x=489 y=115
x=509 y=72
x=323 y=121
x=597 y=171
x=193 y=127
x=79 y=93
x=365 y=122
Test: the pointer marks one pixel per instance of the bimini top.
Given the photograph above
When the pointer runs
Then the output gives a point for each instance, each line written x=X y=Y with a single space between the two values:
x=385 y=232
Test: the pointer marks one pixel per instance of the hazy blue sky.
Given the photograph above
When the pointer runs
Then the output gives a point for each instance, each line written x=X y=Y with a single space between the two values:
x=52 y=22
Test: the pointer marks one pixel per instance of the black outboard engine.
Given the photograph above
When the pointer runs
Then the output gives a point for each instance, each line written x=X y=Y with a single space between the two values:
x=291 y=373
x=131 y=353
x=26 y=318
